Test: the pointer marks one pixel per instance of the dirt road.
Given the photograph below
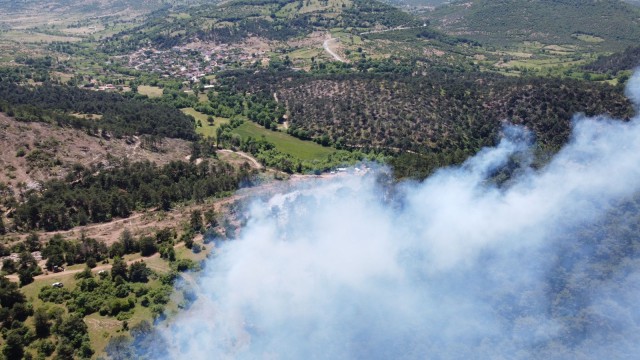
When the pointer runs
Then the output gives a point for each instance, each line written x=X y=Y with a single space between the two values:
x=98 y=268
x=251 y=159
x=326 y=45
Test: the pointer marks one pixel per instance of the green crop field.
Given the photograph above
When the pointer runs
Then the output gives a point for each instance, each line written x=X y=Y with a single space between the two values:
x=589 y=38
x=150 y=91
x=304 y=150
x=206 y=130
x=36 y=37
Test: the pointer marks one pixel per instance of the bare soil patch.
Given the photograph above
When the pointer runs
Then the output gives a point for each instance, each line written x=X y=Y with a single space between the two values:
x=34 y=152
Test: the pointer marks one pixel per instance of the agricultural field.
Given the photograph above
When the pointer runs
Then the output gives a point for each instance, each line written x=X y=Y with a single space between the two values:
x=27 y=36
x=206 y=130
x=285 y=143
x=150 y=91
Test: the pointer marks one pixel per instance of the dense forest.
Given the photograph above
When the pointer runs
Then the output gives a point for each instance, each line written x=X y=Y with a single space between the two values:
x=99 y=195
x=435 y=113
x=121 y=115
x=629 y=59
x=614 y=22
x=424 y=118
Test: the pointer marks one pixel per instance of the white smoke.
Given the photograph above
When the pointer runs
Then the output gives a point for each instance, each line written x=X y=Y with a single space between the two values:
x=453 y=267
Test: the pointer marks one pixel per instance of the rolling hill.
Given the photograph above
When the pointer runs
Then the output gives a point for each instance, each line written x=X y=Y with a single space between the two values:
x=85 y=6
x=29 y=14
x=628 y=60
x=273 y=20
x=606 y=24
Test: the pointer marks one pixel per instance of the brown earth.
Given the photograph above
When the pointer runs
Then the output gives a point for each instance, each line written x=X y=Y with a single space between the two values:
x=59 y=148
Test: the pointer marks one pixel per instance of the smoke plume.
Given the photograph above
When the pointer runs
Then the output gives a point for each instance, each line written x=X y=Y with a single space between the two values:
x=457 y=266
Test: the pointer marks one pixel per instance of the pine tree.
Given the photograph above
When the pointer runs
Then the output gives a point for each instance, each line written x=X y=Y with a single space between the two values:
x=119 y=268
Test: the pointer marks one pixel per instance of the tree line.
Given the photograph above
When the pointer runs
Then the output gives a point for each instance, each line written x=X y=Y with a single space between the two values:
x=99 y=195
x=121 y=115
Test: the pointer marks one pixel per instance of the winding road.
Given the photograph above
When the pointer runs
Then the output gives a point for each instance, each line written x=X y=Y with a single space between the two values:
x=326 y=47
x=251 y=159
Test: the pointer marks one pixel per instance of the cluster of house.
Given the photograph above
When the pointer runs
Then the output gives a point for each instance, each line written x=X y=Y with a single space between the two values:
x=189 y=62
x=106 y=87
x=97 y=86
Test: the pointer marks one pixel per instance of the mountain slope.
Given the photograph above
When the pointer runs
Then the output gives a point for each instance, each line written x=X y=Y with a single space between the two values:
x=274 y=20
x=629 y=59
x=84 y=6
x=611 y=24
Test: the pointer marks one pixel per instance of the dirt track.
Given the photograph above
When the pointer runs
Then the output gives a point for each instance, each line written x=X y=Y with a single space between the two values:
x=15 y=278
x=251 y=159
x=327 y=47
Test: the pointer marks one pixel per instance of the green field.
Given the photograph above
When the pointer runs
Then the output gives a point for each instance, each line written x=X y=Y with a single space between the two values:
x=304 y=150
x=589 y=38
x=206 y=130
x=150 y=91
x=36 y=37
x=305 y=54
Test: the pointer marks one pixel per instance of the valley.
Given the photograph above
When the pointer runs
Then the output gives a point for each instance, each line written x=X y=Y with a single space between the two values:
x=144 y=143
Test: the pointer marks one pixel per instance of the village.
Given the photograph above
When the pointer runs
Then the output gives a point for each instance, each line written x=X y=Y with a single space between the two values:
x=193 y=61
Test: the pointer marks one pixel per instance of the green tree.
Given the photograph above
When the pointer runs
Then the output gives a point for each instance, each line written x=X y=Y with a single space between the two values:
x=128 y=242
x=27 y=268
x=138 y=272
x=8 y=266
x=33 y=242
x=64 y=352
x=3 y=229
x=196 y=220
x=168 y=253
x=41 y=323
x=84 y=274
x=20 y=311
x=148 y=246
x=55 y=259
x=116 y=249
x=13 y=347
x=219 y=131
x=119 y=268
x=210 y=218
x=9 y=293
x=165 y=200
x=72 y=330
x=119 y=348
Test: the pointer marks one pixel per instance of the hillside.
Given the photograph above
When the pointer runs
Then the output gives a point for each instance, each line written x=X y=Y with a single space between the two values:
x=90 y=7
x=436 y=113
x=628 y=59
x=32 y=153
x=418 y=3
x=609 y=24
x=272 y=20
x=202 y=40
x=69 y=18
